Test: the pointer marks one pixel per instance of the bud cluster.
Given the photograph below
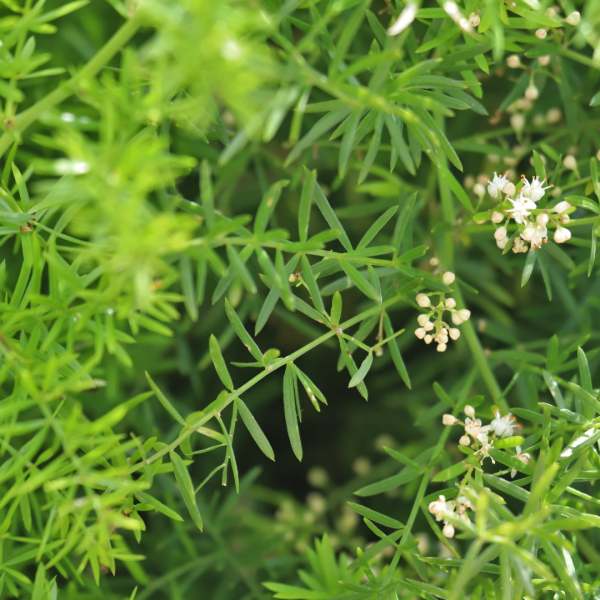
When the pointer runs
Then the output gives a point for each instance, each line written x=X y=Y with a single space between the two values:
x=432 y=327
x=520 y=203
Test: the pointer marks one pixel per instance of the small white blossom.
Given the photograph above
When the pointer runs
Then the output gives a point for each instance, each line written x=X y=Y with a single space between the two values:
x=519 y=246
x=503 y=426
x=450 y=303
x=535 y=190
x=521 y=208
x=535 y=235
x=561 y=207
x=474 y=19
x=449 y=420
x=440 y=508
x=448 y=530
x=448 y=278
x=474 y=428
x=542 y=219
x=497 y=185
x=407 y=16
x=524 y=458
x=562 y=235
x=423 y=300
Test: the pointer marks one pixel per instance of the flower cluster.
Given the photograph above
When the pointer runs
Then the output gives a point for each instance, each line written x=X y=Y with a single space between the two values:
x=442 y=509
x=432 y=327
x=521 y=205
x=477 y=435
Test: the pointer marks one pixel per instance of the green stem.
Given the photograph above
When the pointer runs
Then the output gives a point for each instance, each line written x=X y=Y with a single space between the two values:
x=63 y=91
x=219 y=405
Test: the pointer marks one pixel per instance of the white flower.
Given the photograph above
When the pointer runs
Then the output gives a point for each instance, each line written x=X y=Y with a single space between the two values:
x=535 y=234
x=497 y=185
x=422 y=319
x=542 y=219
x=448 y=530
x=570 y=162
x=535 y=190
x=407 y=16
x=561 y=207
x=519 y=246
x=474 y=428
x=521 y=207
x=503 y=426
x=440 y=508
x=524 y=458
x=450 y=303
x=485 y=451
x=474 y=19
x=449 y=420
x=423 y=300
x=448 y=278
x=469 y=411
x=561 y=235
x=500 y=233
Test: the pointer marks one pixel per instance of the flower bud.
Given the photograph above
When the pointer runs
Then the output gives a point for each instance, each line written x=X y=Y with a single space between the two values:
x=544 y=61
x=449 y=420
x=561 y=207
x=465 y=440
x=509 y=189
x=428 y=339
x=532 y=93
x=454 y=334
x=513 y=61
x=420 y=333
x=464 y=314
x=450 y=303
x=561 y=235
x=469 y=411
x=570 y=162
x=479 y=190
x=456 y=318
x=428 y=326
x=443 y=338
x=441 y=347
x=423 y=300
x=500 y=233
x=422 y=319
x=554 y=115
x=541 y=34
x=474 y=19
x=448 y=530
x=528 y=233
x=502 y=243
x=517 y=122
x=497 y=217
x=448 y=278
x=542 y=219
x=564 y=219
x=574 y=18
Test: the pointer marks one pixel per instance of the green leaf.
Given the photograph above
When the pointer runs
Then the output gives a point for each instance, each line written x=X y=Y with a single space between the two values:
x=311 y=283
x=379 y=224
x=594 y=176
x=336 y=309
x=289 y=407
x=451 y=472
x=241 y=331
x=219 y=363
x=308 y=187
x=267 y=206
x=348 y=142
x=584 y=202
x=403 y=217
x=509 y=442
x=254 y=429
x=373 y=149
x=457 y=189
x=359 y=280
x=528 y=269
x=538 y=163
x=188 y=287
x=395 y=351
x=186 y=487
x=240 y=270
x=165 y=402
x=330 y=216
x=362 y=371
x=158 y=505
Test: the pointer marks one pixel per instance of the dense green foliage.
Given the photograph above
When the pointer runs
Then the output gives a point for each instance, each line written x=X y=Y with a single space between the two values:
x=221 y=223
